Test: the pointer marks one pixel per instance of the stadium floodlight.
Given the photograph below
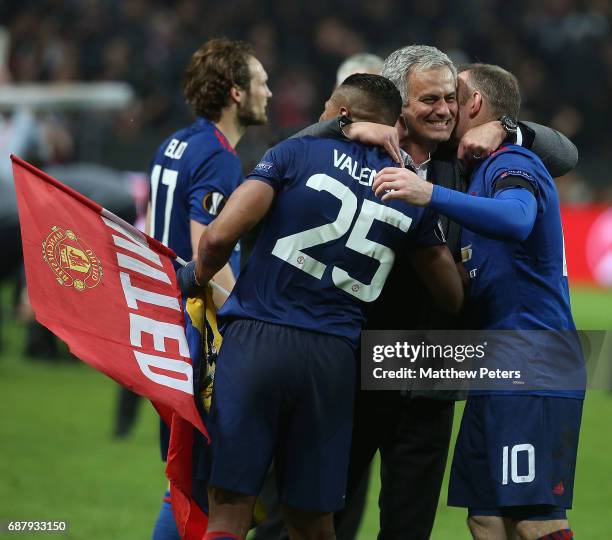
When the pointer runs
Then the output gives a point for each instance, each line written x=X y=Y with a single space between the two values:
x=92 y=96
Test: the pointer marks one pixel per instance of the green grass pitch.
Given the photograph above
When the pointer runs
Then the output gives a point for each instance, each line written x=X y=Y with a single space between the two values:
x=59 y=461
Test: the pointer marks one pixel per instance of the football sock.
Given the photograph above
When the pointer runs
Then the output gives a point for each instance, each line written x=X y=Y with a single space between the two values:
x=219 y=535
x=562 y=534
x=165 y=526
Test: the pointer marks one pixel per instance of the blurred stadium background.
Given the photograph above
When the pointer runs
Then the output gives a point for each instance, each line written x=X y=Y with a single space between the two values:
x=58 y=458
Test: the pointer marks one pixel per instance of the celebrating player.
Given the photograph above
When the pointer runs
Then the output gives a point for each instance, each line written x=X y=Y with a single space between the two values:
x=285 y=375
x=412 y=430
x=519 y=282
x=196 y=169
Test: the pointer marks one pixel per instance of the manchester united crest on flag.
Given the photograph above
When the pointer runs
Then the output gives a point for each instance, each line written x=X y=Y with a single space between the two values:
x=71 y=260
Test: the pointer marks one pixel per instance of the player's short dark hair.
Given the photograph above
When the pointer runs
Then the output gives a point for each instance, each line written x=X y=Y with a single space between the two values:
x=380 y=92
x=499 y=87
x=215 y=67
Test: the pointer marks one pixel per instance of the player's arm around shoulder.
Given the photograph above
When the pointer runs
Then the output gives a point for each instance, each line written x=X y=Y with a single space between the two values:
x=324 y=129
x=558 y=154
x=556 y=151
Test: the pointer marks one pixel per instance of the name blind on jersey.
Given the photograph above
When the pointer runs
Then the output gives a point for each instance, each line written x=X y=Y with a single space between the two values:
x=177 y=373
x=175 y=149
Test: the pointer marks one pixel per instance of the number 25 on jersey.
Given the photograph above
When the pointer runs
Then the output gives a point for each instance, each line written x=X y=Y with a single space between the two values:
x=289 y=248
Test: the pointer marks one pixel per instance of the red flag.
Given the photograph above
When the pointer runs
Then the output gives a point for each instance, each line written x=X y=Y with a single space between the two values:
x=189 y=505
x=107 y=290
x=191 y=519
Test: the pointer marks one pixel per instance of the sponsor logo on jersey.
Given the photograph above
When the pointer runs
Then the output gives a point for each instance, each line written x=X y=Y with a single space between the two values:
x=466 y=253
x=71 y=260
x=213 y=202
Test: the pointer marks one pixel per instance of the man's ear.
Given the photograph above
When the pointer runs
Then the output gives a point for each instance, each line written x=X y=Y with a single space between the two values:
x=402 y=127
x=344 y=111
x=477 y=104
x=236 y=94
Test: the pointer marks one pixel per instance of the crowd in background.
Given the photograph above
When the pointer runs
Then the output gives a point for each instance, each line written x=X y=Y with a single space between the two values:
x=561 y=51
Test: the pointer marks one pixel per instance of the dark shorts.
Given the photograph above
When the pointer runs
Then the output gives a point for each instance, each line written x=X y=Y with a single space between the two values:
x=285 y=394
x=515 y=456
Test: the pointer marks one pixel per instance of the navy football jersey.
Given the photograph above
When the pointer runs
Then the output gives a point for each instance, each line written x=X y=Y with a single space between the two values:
x=194 y=171
x=327 y=244
x=523 y=285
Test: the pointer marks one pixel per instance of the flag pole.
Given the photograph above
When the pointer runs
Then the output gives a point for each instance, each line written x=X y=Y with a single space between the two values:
x=214 y=285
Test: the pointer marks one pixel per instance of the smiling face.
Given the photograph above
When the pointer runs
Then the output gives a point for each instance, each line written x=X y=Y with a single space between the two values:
x=431 y=108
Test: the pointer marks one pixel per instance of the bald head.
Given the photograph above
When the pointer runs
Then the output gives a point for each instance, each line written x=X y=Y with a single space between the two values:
x=359 y=63
x=364 y=97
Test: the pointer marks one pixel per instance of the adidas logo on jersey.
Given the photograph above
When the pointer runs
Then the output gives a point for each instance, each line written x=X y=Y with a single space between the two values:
x=559 y=489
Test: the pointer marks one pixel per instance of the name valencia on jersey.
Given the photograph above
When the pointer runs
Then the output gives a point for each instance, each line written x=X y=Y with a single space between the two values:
x=344 y=162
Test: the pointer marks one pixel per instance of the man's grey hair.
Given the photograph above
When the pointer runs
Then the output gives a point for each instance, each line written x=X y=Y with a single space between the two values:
x=359 y=63
x=401 y=63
